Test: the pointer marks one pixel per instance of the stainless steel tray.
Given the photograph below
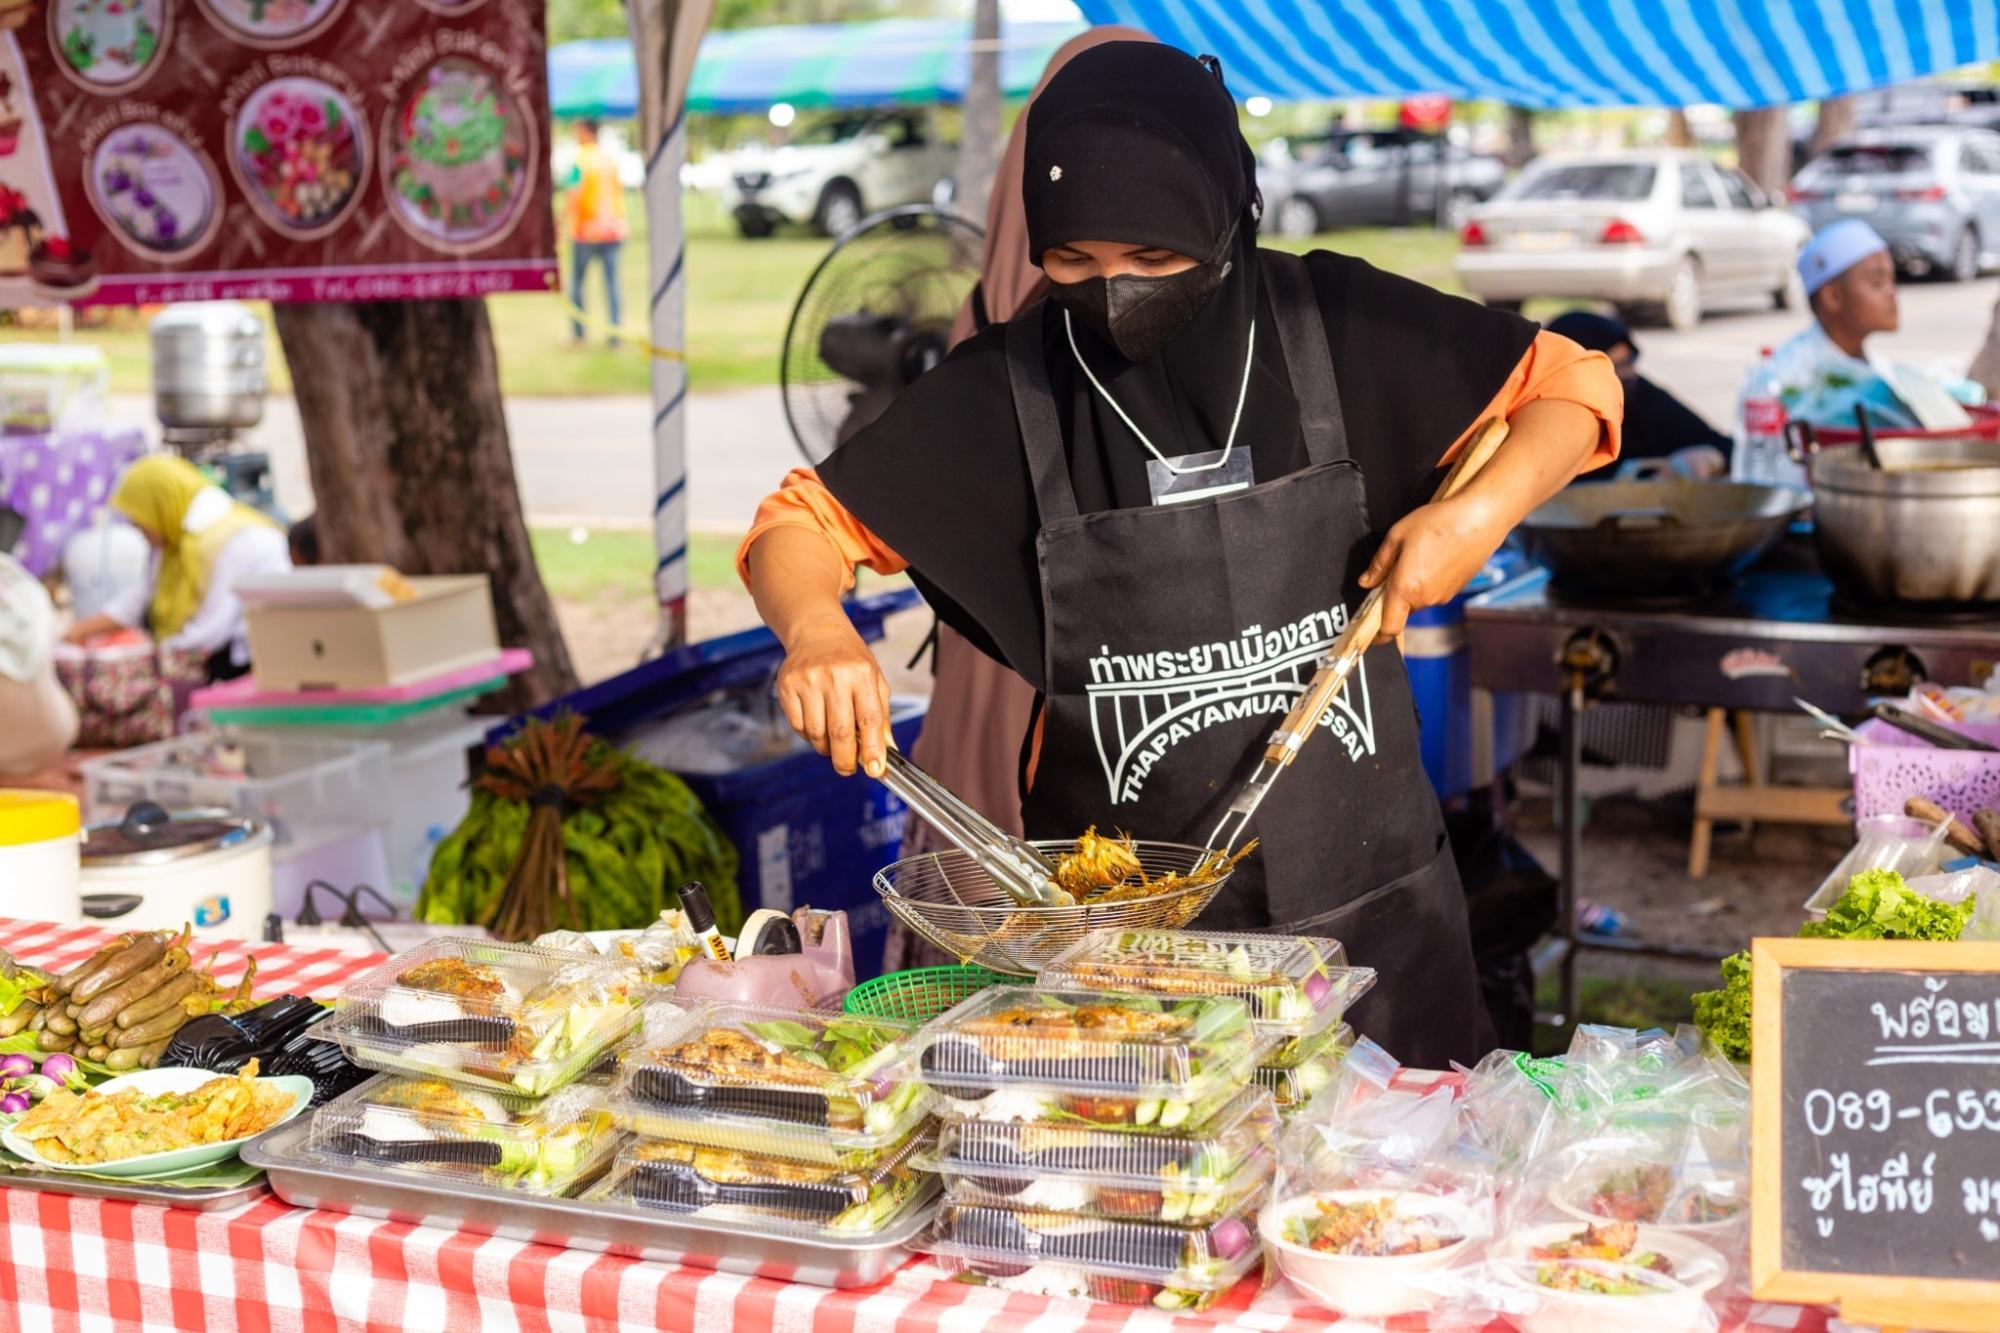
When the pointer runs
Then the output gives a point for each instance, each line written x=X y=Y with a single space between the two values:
x=599 y=1225
x=137 y=1191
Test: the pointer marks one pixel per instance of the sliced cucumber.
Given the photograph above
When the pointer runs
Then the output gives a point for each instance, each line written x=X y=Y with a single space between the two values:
x=1175 y=1114
x=1174 y=1207
x=1146 y=1112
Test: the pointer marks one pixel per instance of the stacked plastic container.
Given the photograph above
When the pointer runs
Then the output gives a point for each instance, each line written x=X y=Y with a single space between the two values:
x=796 y=1123
x=1299 y=989
x=1108 y=1146
x=487 y=1050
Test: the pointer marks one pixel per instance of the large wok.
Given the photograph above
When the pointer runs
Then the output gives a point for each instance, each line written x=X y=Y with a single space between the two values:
x=1658 y=538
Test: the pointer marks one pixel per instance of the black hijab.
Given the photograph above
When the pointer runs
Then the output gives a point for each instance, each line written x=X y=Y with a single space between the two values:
x=1656 y=424
x=1151 y=135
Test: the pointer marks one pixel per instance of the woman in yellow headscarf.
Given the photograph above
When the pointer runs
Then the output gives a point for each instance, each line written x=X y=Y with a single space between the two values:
x=205 y=542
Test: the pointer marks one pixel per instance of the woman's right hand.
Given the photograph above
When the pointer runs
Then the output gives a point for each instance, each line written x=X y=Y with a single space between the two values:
x=835 y=695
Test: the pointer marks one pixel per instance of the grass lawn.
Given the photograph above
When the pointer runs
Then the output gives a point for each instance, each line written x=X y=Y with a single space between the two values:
x=1622 y=1002
x=740 y=297
x=602 y=566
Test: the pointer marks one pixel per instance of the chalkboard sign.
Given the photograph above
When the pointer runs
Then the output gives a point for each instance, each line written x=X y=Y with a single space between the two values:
x=1876 y=1128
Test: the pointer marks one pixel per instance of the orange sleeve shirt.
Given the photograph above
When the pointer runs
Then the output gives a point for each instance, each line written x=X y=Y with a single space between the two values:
x=1553 y=368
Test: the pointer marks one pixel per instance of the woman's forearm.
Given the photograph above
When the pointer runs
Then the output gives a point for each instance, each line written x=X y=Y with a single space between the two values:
x=1548 y=441
x=796 y=579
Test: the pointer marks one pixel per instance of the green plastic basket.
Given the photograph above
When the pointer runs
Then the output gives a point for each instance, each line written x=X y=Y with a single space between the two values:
x=919 y=994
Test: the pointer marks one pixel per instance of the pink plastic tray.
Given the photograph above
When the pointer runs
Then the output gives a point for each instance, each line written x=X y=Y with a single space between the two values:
x=1896 y=766
x=243 y=692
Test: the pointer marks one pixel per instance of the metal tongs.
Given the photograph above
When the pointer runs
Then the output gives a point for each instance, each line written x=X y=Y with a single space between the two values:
x=1026 y=875
x=1337 y=665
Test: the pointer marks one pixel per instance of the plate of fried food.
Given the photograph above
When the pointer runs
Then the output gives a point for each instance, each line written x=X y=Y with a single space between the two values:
x=155 y=1123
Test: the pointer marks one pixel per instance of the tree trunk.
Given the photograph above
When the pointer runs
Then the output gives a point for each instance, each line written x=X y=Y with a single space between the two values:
x=1986 y=365
x=1679 y=133
x=407 y=448
x=1764 y=147
x=1836 y=118
x=1520 y=137
x=979 y=147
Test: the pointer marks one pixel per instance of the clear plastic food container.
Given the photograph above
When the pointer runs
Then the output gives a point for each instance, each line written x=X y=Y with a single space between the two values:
x=720 y=1182
x=1318 y=1065
x=509 y=1017
x=1295 y=985
x=426 y=1125
x=801 y=1078
x=1109 y=1059
x=1165 y=1176
x=1100 y=1258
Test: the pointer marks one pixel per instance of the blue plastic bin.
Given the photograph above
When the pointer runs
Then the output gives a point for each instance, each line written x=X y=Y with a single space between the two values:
x=806 y=835
x=1435 y=654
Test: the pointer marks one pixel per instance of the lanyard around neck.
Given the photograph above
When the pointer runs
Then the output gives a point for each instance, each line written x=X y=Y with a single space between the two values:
x=1235 y=420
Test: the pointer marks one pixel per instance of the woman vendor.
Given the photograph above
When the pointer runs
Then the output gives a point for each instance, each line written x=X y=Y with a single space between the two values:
x=204 y=543
x=1156 y=494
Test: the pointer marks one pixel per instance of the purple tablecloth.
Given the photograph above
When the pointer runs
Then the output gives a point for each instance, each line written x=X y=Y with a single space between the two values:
x=58 y=482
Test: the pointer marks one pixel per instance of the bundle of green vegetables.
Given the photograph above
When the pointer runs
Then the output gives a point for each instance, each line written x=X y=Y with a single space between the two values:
x=640 y=831
x=1878 y=905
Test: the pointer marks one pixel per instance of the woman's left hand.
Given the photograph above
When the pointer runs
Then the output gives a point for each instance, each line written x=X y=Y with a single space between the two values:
x=1431 y=554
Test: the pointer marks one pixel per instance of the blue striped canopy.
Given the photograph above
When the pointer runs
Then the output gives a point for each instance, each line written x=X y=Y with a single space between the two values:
x=808 y=65
x=1566 y=53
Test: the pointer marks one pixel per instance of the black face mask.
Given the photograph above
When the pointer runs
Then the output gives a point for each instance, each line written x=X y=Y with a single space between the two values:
x=1138 y=315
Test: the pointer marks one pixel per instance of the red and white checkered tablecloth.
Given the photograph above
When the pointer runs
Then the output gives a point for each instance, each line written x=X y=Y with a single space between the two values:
x=76 y=1265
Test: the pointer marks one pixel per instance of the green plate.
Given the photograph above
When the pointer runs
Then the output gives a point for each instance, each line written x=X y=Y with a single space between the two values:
x=155 y=1166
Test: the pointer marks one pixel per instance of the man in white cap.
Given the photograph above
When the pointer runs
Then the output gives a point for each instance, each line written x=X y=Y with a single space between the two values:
x=1824 y=371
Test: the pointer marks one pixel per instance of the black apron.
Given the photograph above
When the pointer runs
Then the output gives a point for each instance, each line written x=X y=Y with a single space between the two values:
x=1179 y=634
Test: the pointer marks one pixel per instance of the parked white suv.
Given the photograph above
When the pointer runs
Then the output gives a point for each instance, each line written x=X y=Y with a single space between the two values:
x=838 y=172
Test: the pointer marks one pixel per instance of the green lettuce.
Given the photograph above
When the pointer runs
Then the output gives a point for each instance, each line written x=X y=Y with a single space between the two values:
x=1877 y=905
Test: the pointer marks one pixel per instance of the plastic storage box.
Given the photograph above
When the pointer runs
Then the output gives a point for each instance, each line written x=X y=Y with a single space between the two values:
x=509 y=1018
x=1120 y=1261
x=816 y=1087
x=430 y=1127
x=447 y=626
x=716 y=1182
x=1164 y=1176
x=1466 y=735
x=1294 y=1085
x=328 y=802
x=1109 y=1059
x=1297 y=986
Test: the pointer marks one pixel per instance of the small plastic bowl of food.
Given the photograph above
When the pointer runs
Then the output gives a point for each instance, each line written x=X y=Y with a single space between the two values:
x=1382 y=1251
x=1655 y=1196
x=1616 y=1277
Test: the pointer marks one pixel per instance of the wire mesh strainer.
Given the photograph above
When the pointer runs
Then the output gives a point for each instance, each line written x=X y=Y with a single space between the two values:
x=946 y=898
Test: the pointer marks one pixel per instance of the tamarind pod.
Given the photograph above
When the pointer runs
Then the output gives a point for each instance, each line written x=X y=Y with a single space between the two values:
x=93 y=1036
x=100 y=1011
x=24 y=1014
x=161 y=1000
x=128 y=962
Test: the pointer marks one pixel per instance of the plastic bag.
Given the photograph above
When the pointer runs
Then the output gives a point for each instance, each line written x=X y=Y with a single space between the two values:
x=1385 y=1195
x=1626 y=1199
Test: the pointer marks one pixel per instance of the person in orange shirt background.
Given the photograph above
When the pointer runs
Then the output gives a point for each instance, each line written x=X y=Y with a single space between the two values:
x=594 y=222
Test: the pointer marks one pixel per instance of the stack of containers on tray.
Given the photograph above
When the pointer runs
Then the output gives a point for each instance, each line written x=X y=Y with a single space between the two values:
x=778 y=1121
x=1299 y=989
x=488 y=1050
x=1102 y=1145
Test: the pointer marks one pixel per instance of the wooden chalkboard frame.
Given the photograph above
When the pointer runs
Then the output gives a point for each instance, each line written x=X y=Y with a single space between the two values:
x=1946 y=1305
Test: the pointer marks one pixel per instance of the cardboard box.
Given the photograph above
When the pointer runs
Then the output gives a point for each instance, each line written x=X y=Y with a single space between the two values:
x=447 y=626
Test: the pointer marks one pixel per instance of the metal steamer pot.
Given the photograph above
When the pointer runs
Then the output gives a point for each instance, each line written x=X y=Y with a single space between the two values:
x=208 y=367
x=1657 y=538
x=1922 y=528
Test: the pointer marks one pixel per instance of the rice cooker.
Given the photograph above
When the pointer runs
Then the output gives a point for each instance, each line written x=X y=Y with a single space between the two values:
x=207 y=869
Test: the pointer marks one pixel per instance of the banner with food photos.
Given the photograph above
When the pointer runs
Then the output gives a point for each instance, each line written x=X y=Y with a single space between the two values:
x=285 y=150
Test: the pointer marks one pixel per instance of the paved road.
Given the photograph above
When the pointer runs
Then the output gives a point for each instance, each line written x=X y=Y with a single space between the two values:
x=589 y=459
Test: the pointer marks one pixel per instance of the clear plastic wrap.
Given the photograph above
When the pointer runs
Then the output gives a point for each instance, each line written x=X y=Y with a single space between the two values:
x=1117 y=1260
x=1295 y=985
x=1161 y=1175
x=1318 y=1065
x=1570 y=1277
x=781 y=1082
x=430 y=1127
x=1385 y=1198
x=507 y=1017
x=721 y=1183
x=1102 y=1058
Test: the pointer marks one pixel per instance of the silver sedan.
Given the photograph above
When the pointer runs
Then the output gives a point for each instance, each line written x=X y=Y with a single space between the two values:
x=1662 y=230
